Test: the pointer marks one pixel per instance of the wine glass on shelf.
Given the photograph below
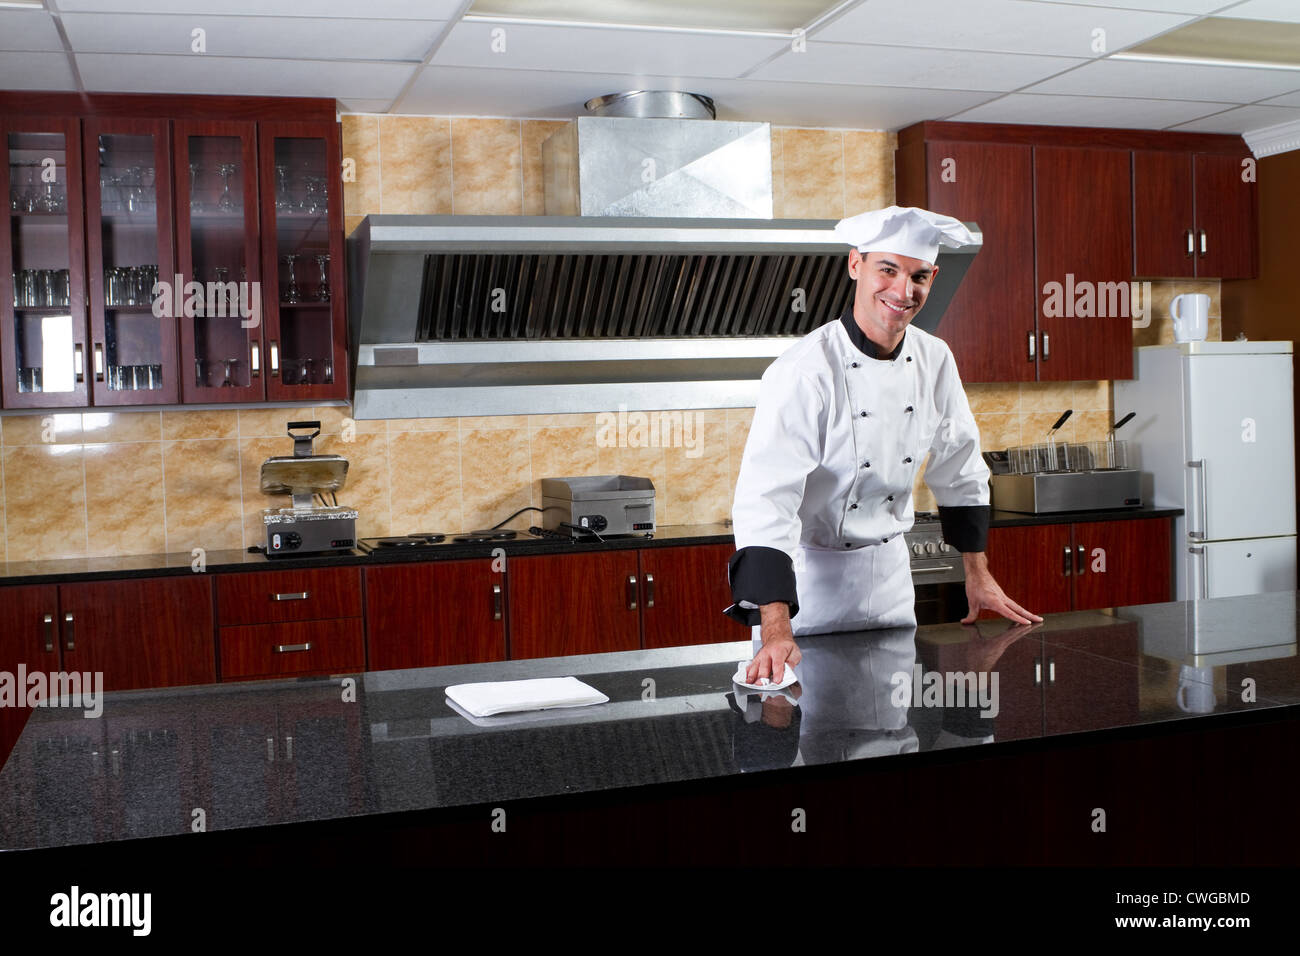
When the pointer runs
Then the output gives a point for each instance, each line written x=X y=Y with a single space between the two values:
x=291 y=295
x=196 y=204
x=227 y=201
x=323 y=288
x=229 y=381
x=283 y=201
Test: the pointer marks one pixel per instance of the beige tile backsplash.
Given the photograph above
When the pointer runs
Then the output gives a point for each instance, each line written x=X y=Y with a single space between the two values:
x=111 y=483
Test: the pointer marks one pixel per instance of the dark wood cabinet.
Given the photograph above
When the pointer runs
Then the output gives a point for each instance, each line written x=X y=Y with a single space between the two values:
x=1118 y=563
x=684 y=592
x=28 y=636
x=434 y=613
x=989 y=321
x=1194 y=215
x=1028 y=563
x=130 y=254
x=574 y=604
x=141 y=632
x=1082 y=566
x=1083 y=202
x=42 y=264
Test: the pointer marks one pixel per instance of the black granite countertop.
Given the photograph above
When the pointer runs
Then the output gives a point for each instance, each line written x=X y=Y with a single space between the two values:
x=263 y=754
x=70 y=570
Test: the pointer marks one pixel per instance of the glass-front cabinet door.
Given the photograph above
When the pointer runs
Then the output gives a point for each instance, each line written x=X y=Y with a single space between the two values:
x=302 y=250
x=42 y=265
x=134 y=358
x=220 y=305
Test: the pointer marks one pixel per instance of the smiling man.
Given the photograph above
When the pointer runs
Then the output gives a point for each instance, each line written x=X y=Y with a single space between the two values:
x=844 y=421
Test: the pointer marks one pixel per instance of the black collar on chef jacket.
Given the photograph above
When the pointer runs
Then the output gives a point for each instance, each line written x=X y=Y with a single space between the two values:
x=864 y=344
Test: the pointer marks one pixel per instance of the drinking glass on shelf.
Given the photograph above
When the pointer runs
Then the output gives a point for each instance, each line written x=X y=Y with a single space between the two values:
x=51 y=202
x=231 y=365
x=196 y=172
x=283 y=200
x=154 y=376
x=325 y=367
x=291 y=293
x=323 y=288
x=227 y=201
x=222 y=304
x=201 y=373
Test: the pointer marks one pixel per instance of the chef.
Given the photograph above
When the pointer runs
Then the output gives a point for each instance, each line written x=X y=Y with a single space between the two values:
x=844 y=421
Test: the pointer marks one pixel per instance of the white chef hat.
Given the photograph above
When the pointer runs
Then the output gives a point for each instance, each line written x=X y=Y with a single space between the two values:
x=904 y=231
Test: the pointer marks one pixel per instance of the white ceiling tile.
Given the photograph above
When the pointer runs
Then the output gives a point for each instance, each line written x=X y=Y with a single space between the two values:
x=1287 y=11
x=211 y=74
x=361 y=105
x=1242 y=119
x=1288 y=99
x=1086 y=111
x=28 y=30
x=1049 y=29
x=557 y=95
x=36 y=71
x=602 y=51
x=910 y=66
x=345 y=9
x=1173 y=81
x=281 y=37
x=1198 y=7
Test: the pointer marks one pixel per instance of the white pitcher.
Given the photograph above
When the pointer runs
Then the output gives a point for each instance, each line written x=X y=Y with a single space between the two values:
x=1191 y=315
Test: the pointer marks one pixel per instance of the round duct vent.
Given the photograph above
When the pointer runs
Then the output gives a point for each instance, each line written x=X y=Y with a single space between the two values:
x=654 y=104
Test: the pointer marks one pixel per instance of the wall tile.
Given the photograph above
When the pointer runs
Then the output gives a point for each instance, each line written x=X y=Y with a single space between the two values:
x=360 y=143
x=778 y=174
x=487 y=167
x=868 y=170
x=698 y=479
x=58 y=428
x=1001 y=399
x=998 y=431
x=45 y=501
x=533 y=134
x=125 y=512
x=205 y=424
x=368 y=488
x=1046 y=397
x=271 y=423
x=121 y=426
x=813 y=161
x=1091 y=397
x=396 y=425
x=415 y=165
x=496 y=476
x=204 y=500
x=424 y=470
x=1034 y=427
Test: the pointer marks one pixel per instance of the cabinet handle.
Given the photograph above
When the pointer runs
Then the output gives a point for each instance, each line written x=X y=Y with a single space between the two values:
x=255 y=359
x=1203 y=584
x=289 y=648
x=649 y=590
x=1038 y=671
x=49 y=634
x=631 y=592
x=288 y=748
x=99 y=362
x=1047 y=347
x=496 y=602
x=291 y=596
x=68 y=645
x=78 y=362
x=1199 y=498
x=1033 y=345
x=275 y=357
x=1079 y=563
x=270 y=749
x=1204 y=247
x=1066 y=568
x=1051 y=670
x=1191 y=244
x=115 y=756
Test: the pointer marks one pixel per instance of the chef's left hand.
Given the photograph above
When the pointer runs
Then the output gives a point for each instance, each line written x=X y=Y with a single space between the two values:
x=984 y=594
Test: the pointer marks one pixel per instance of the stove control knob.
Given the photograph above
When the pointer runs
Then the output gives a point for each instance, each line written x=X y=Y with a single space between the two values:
x=945 y=547
x=930 y=548
x=918 y=549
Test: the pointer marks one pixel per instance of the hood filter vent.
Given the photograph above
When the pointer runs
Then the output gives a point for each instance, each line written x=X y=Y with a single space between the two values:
x=511 y=297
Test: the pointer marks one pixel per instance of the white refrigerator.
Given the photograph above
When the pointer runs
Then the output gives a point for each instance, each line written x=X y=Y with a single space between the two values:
x=1215 y=435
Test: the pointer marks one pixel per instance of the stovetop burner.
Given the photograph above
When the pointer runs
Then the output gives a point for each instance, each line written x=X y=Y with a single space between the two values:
x=483 y=537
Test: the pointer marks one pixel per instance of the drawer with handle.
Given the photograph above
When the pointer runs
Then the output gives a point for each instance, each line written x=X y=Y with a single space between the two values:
x=266 y=597
x=293 y=649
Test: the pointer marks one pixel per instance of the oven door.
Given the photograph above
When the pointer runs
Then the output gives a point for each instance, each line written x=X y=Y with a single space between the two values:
x=940 y=586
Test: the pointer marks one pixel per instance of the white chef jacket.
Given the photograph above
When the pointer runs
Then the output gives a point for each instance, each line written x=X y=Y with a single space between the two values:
x=825 y=485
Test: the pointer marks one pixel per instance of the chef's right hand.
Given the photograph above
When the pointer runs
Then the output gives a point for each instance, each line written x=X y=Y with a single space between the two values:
x=779 y=647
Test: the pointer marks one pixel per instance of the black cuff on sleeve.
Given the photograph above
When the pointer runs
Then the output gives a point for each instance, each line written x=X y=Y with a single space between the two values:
x=760 y=576
x=965 y=527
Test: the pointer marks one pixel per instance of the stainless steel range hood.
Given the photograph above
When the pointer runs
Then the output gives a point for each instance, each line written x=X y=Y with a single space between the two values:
x=487 y=315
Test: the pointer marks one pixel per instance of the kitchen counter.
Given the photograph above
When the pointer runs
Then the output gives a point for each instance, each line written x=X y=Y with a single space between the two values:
x=226 y=561
x=273 y=756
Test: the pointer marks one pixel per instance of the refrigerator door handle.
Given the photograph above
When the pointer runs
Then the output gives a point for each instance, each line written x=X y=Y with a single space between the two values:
x=1202 y=589
x=1199 y=499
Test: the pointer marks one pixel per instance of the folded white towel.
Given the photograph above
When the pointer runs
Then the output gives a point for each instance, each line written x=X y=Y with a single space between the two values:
x=543 y=693
x=764 y=683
